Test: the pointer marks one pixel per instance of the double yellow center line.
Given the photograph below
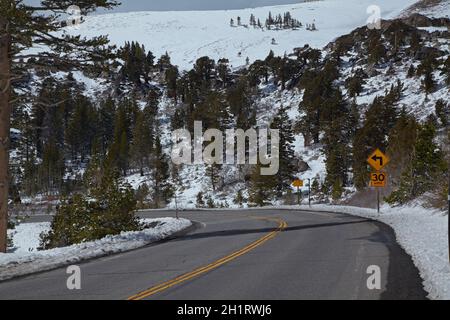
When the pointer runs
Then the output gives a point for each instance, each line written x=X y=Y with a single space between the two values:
x=199 y=271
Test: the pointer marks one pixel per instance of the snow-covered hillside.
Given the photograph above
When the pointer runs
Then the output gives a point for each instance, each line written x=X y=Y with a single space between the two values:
x=188 y=35
x=433 y=9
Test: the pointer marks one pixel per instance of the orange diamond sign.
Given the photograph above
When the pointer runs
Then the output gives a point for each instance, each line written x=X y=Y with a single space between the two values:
x=298 y=183
x=378 y=160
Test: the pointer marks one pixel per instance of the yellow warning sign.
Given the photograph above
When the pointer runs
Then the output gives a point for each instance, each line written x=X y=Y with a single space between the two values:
x=298 y=183
x=378 y=160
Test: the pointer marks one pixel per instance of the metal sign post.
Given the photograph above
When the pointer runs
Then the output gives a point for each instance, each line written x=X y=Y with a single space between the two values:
x=176 y=205
x=309 y=192
x=378 y=200
x=298 y=184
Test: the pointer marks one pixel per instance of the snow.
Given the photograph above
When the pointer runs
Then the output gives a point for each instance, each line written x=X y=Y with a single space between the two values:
x=26 y=236
x=440 y=10
x=22 y=262
x=188 y=35
x=413 y=98
x=136 y=180
x=433 y=29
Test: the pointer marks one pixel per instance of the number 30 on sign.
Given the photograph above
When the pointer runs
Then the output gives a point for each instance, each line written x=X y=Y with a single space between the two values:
x=378 y=179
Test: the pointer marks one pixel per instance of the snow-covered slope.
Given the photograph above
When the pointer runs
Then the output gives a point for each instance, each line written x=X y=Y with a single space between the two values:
x=188 y=35
x=430 y=8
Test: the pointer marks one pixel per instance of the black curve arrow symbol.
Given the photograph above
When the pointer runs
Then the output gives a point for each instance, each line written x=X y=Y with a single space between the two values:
x=375 y=158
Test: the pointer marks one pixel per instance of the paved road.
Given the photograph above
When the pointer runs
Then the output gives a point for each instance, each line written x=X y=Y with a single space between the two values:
x=264 y=254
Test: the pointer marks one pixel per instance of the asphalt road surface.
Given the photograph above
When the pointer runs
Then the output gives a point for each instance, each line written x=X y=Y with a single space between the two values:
x=244 y=255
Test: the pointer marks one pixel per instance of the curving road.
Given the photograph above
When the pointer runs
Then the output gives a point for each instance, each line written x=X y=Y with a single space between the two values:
x=244 y=255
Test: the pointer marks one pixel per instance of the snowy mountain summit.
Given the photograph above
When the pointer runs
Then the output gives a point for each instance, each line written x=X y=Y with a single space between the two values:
x=188 y=35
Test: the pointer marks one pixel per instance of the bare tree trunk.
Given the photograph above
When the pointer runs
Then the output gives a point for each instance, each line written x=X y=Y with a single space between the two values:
x=5 y=114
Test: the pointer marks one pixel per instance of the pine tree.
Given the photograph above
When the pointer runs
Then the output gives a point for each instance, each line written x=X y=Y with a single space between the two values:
x=200 y=202
x=336 y=143
x=415 y=43
x=148 y=66
x=164 y=62
x=376 y=48
x=429 y=84
x=95 y=171
x=210 y=203
x=81 y=128
x=442 y=110
x=315 y=186
x=319 y=93
x=213 y=172
x=105 y=130
x=252 y=20
x=141 y=195
x=214 y=112
x=204 y=67
x=118 y=153
x=286 y=150
x=171 y=77
x=240 y=102
x=142 y=144
x=270 y=19
x=163 y=190
x=223 y=71
x=426 y=69
x=353 y=120
x=51 y=170
x=48 y=116
x=262 y=188
x=29 y=180
x=258 y=73
x=337 y=190
x=427 y=165
x=401 y=141
x=446 y=71
x=137 y=63
x=178 y=119
x=239 y=199
x=371 y=136
x=354 y=85
x=411 y=71
x=394 y=95
x=123 y=153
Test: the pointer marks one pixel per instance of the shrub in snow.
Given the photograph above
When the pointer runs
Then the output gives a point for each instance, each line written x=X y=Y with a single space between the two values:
x=109 y=210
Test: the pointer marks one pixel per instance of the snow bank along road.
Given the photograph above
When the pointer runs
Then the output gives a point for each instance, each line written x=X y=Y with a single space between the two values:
x=255 y=254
